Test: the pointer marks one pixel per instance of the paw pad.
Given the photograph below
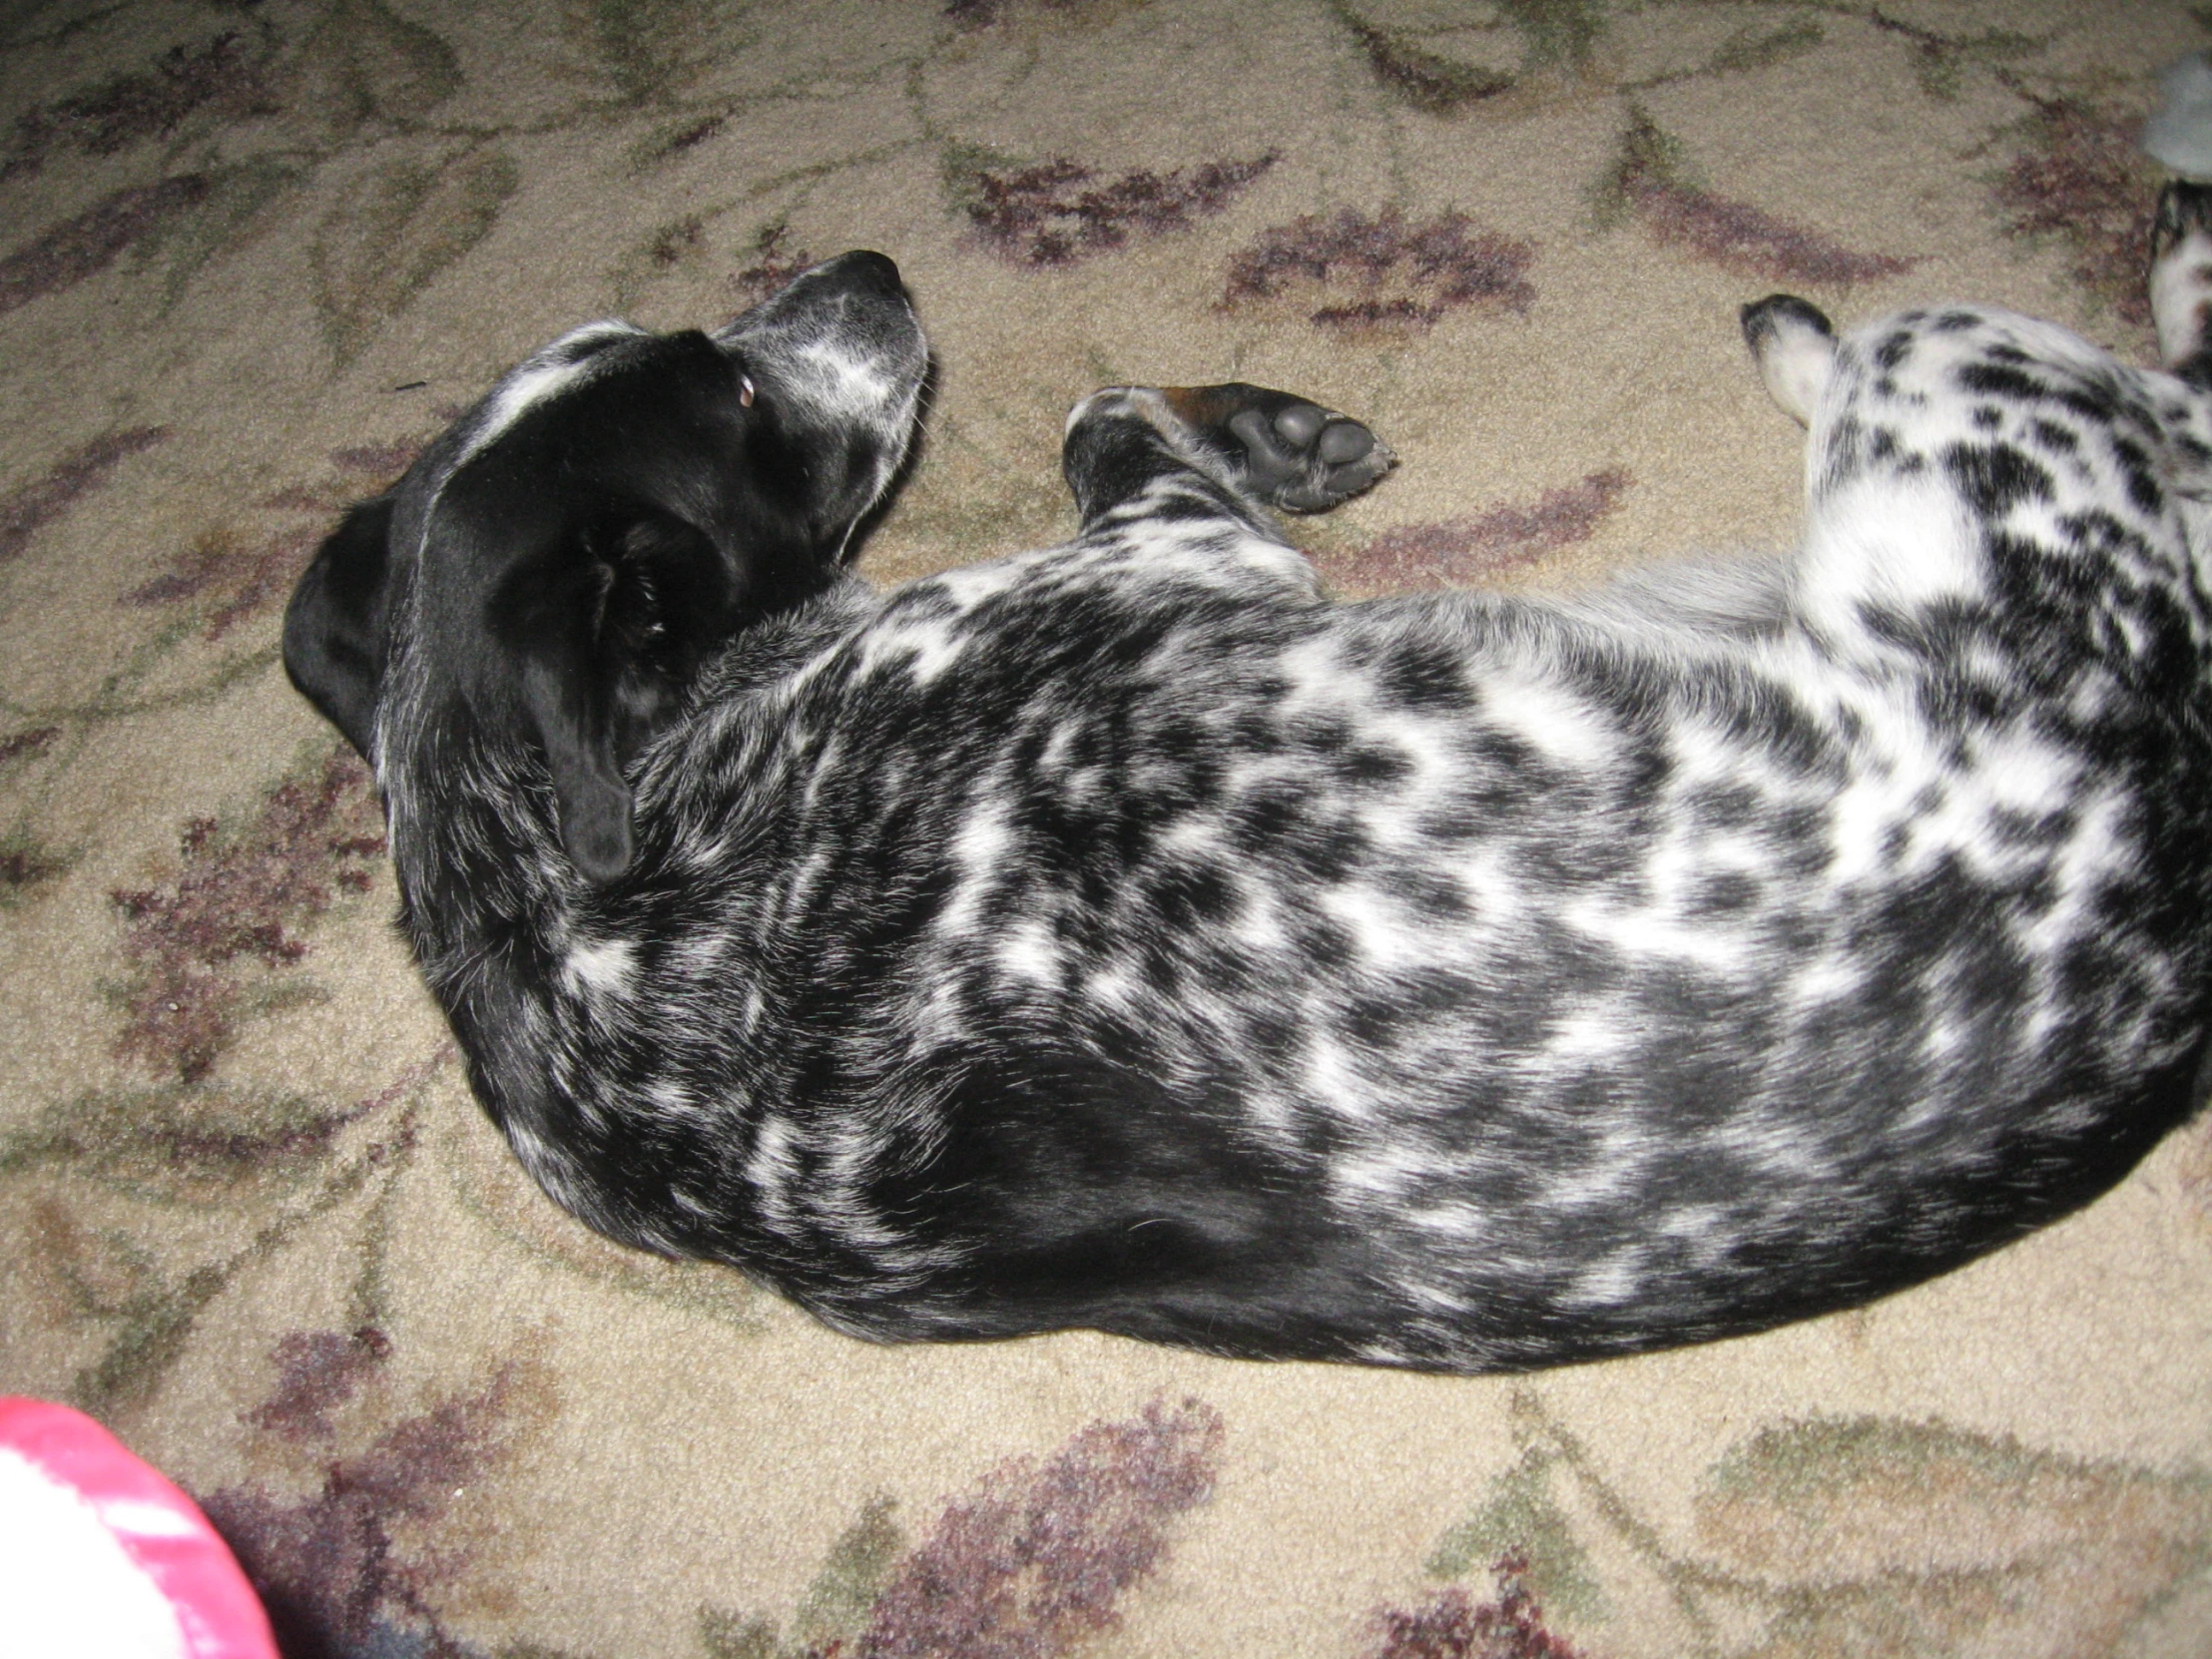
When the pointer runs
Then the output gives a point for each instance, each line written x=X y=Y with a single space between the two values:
x=1291 y=454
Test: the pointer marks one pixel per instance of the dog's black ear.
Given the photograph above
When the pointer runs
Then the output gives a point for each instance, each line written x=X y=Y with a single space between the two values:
x=592 y=800
x=606 y=634
x=549 y=613
x=334 y=626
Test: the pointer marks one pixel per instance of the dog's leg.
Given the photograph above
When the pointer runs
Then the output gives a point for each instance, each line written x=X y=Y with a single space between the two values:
x=1795 y=350
x=1235 y=443
x=2181 y=279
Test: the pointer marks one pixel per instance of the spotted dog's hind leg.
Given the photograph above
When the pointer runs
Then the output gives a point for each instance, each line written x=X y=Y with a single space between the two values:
x=1236 y=443
x=2181 y=279
x=1795 y=346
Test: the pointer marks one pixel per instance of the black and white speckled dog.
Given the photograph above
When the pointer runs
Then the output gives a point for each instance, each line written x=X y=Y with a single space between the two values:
x=1122 y=935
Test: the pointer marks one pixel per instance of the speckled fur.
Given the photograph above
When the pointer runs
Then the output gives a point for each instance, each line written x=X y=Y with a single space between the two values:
x=1124 y=935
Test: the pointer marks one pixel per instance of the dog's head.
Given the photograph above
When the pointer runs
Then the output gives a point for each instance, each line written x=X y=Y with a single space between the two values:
x=554 y=569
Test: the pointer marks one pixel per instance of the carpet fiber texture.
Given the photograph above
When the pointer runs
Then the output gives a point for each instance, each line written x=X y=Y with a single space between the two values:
x=253 y=252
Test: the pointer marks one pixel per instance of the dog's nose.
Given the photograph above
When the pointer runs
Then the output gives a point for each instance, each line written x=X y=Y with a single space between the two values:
x=834 y=293
x=863 y=269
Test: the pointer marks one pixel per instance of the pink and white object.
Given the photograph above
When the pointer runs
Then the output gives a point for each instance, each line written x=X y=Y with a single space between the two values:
x=102 y=1558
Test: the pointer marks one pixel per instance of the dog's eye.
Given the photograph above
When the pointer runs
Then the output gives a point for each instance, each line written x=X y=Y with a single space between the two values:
x=744 y=391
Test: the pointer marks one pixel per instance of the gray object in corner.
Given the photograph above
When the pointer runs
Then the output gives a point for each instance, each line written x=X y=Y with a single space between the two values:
x=2179 y=131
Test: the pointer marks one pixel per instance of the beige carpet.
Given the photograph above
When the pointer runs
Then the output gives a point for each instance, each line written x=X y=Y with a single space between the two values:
x=253 y=252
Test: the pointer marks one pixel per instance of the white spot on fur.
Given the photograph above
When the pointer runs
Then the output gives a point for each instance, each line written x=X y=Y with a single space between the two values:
x=770 y=1170
x=970 y=585
x=1660 y=931
x=541 y=376
x=926 y=648
x=1549 y=718
x=1614 y=1280
x=1315 y=673
x=2017 y=771
x=1031 y=952
x=1462 y=1221
x=847 y=384
x=1332 y=1078
x=1114 y=985
x=1380 y=934
x=603 y=967
x=1886 y=542
x=1378 y=1176
x=983 y=843
x=672 y=1100
x=548 y=1165
x=1587 y=1035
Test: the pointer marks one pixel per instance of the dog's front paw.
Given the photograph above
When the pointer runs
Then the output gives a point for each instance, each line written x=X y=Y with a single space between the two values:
x=1289 y=452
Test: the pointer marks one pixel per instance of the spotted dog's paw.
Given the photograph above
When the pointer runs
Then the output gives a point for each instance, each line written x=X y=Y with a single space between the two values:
x=2181 y=279
x=1796 y=347
x=1289 y=452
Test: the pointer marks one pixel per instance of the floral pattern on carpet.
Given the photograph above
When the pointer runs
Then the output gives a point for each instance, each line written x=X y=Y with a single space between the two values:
x=255 y=252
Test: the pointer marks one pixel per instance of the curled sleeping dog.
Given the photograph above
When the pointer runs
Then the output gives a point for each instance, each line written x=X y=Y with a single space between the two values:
x=1124 y=935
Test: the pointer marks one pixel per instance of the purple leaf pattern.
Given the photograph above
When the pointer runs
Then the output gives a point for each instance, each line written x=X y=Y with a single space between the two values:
x=2077 y=178
x=1381 y=270
x=1500 y=538
x=1057 y=212
x=1648 y=183
x=332 y=1566
x=225 y=75
x=1030 y=1564
x=240 y=898
x=89 y=243
x=1451 y=1625
x=30 y=507
x=233 y=574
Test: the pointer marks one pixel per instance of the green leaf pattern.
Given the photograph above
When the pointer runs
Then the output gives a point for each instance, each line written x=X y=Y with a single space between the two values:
x=393 y=228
